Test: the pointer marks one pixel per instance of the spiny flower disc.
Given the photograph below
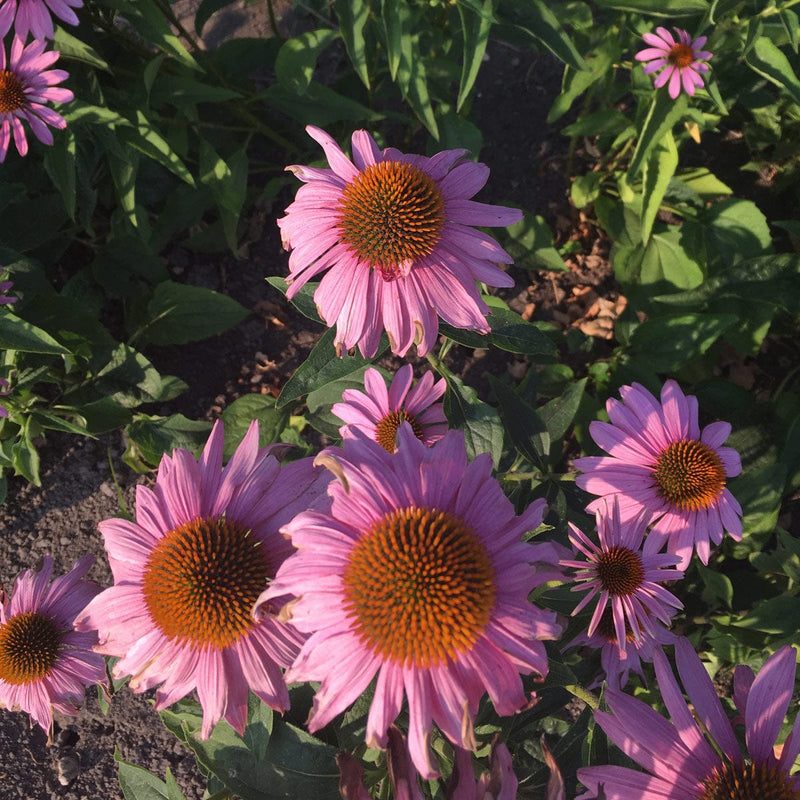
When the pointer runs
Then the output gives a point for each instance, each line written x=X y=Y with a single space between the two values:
x=392 y=214
x=620 y=570
x=386 y=429
x=420 y=586
x=29 y=646
x=12 y=94
x=690 y=475
x=749 y=782
x=202 y=579
x=681 y=55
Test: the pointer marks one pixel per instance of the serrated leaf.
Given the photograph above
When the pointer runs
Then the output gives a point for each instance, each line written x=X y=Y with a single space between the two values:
x=180 y=313
x=480 y=423
x=59 y=162
x=297 y=58
x=323 y=366
x=559 y=413
x=70 y=47
x=239 y=414
x=395 y=19
x=303 y=301
x=576 y=81
x=139 y=784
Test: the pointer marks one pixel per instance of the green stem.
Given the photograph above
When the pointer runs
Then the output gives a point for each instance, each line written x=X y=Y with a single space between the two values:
x=588 y=697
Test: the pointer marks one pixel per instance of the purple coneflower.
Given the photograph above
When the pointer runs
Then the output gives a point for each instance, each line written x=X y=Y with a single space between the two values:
x=379 y=412
x=25 y=84
x=659 y=460
x=188 y=571
x=682 y=60
x=34 y=16
x=618 y=663
x=681 y=761
x=393 y=234
x=624 y=575
x=44 y=662
x=417 y=574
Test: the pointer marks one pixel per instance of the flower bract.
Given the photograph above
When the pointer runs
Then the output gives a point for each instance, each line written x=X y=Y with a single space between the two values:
x=660 y=461
x=44 y=662
x=378 y=412
x=26 y=84
x=697 y=756
x=188 y=570
x=417 y=575
x=681 y=60
x=394 y=235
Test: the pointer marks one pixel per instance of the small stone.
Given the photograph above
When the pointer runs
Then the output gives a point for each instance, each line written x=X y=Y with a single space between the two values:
x=67 y=769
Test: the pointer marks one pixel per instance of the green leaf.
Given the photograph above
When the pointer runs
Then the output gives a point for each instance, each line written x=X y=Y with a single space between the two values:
x=24 y=457
x=659 y=8
x=353 y=15
x=205 y=10
x=559 y=413
x=294 y=66
x=395 y=19
x=509 y=332
x=274 y=760
x=659 y=265
x=319 y=401
x=303 y=301
x=70 y=47
x=318 y=106
x=525 y=427
x=180 y=313
x=658 y=171
x=184 y=90
x=705 y=183
x=770 y=62
x=475 y=27
x=17 y=334
x=669 y=343
x=417 y=94
x=104 y=415
x=150 y=22
x=744 y=280
x=155 y=436
x=323 y=366
x=145 y=138
x=585 y=189
x=664 y=113
x=228 y=184
x=123 y=174
x=239 y=414
x=718 y=584
x=576 y=80
x=59 y=162
x=139 y=784
x=483 y=431
x=535 y=18
x=530 y=243
x=735 y=230
x=778 y=615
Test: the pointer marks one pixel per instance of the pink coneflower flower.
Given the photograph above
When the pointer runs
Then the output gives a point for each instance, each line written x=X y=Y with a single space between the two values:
x=683 y=60
x=623 y=575
x=618 y=663
x=25 y=84
x=393 y=232
x=500 y=783
x=44 y=663
x=682 y=763
x=34 y=16
x=418 y=574
x=660 y=461
x=378 y=413
x=4 y=298
x=187 y=572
